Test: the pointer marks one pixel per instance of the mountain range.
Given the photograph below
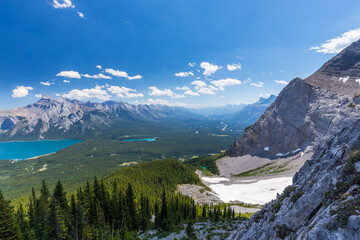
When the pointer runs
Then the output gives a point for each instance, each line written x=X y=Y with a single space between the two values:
x=51 y=118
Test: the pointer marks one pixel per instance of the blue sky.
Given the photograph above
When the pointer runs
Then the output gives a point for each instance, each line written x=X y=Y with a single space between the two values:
x=177 y=52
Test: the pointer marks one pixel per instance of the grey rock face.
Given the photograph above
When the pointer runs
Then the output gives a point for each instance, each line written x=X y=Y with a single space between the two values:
x=320 y=113
x=307 y=112
x=312 y=207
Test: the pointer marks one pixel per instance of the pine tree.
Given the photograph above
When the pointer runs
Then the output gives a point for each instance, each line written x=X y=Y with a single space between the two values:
x=9 y=228
x=131 y=208
x=56 y=228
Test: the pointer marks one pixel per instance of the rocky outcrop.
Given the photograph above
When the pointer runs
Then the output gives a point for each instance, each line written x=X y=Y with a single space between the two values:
x=324 y=200
x=59 y=118
x=307 y=112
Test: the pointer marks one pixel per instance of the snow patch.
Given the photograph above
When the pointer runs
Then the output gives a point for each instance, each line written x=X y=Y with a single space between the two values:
x=296 y=151
x=344 y=79
x=214 y=180
x=260 y=192
x=266 y=149
x=282 y=154
x=357 y=80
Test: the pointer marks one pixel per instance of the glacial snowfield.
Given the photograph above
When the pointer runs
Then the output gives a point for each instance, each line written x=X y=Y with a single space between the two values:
x=249 y=191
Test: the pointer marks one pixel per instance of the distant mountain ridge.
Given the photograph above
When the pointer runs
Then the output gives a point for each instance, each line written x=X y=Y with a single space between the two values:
x=50 y=117
x=246 y=114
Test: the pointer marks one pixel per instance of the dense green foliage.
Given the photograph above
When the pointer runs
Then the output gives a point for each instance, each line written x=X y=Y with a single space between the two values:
x=108 y=211
x=207 y=163
x=81 y=162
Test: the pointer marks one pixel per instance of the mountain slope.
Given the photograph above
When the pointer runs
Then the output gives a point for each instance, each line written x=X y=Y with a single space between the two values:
x=64 y=118
x=307 y=112
x=324 y=200
x=319 y=114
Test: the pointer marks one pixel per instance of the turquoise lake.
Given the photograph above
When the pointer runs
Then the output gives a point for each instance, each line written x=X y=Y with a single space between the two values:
x=20 y=150
x=140 y=139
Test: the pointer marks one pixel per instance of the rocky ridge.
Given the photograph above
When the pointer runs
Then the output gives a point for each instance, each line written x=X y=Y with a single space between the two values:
x=324 y=200
x=307 y=112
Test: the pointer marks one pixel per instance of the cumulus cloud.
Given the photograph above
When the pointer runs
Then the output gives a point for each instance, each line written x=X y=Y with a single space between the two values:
x=207 y=90
x=81 y=14
x=337 y=44
x=38 y=95
x=118 y=73
x=204 y=88
x=209 y=68
x=265 y=95
x=199 y=84
x=98 y=66
x=226 y=83
x=96 y=92
x=259 y=84
x=45 y=83
x=124 y=92
x=21 y=91
x=63 y=4
x=184 y=88
x=184 y=74
x=281 y=82
x=66 y=81
x=154 y=91
x=233 y=67
x=100 y=75
x=69 y=74
x=191 y=93
x=191 y=64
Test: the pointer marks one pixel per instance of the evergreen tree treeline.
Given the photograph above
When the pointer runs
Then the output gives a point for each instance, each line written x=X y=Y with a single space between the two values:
x=97 y=212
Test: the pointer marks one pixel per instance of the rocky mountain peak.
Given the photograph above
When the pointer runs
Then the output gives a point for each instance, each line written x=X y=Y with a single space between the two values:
x=341 y=74
x=307 y=112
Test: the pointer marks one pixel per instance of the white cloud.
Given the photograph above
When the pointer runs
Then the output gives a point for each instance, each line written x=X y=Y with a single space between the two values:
x=337 y=44
x=209 y=68
x=233 y=67
x=100 y=75
x=96 y=92
x=226 y=83
x=118 y=73
x=63 y=4
x=259 y=84
x=206 y=90
x=45 y=83
x=98 y=66
x=282 y=70
x=184 y=74
x=166 y=92
x=81 y=14
x=69 y=74
x=191 y=93
x=265 y=95
x=124 y=92
x=38 y=95
x=21 y=91
x=199 y=84
x=163 y=102
x=192 y=64
x=281 y=82
x=184 y=88
x=66 y=81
